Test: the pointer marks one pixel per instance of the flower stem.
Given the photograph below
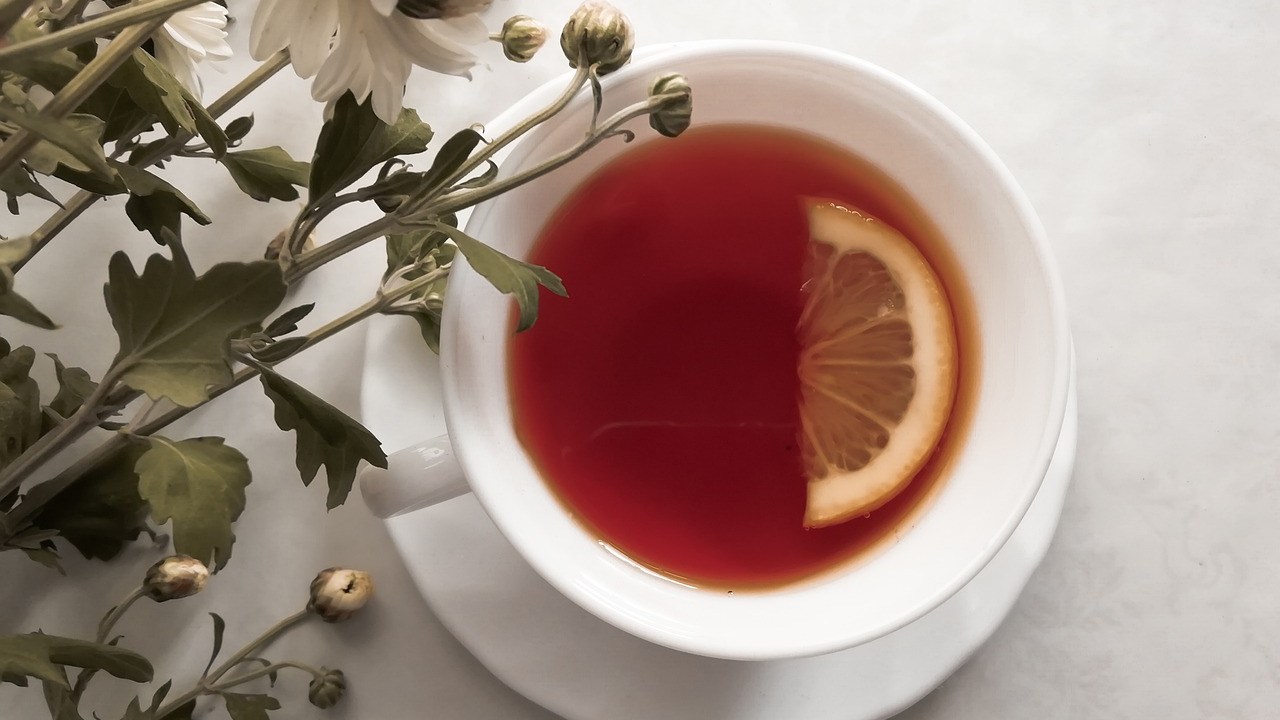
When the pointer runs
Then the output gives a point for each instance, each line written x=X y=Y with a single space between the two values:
x=82 y=200
x=207 y=683
x=49 y=444
x=81 y=86
x=263 y=672
x=14 y=521
x=104 y=631
x=152 y=13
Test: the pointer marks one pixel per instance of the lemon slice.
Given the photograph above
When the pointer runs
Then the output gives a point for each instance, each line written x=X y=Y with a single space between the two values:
x=877 y=365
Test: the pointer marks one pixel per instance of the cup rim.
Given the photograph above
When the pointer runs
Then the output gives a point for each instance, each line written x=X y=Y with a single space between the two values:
x=541 y=559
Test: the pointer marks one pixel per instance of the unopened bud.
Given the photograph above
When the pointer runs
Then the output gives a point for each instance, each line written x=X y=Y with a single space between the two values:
x=672 y=116
x=327 y=688
x=337 y=593
x=521 y=38
x=174 y=577
x=598 y=34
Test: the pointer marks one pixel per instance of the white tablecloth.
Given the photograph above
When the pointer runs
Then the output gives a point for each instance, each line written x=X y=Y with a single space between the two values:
x=1147 y=135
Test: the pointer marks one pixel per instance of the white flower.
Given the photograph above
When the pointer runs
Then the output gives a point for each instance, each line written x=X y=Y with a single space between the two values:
x=191 y=36
x=365 y=46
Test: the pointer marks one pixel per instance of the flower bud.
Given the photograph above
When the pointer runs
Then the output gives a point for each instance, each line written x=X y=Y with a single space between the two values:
x=599 y=34
x=521 y=38
x=174 y=577
x=336 y=593
x=327 y=689
x=672 y=116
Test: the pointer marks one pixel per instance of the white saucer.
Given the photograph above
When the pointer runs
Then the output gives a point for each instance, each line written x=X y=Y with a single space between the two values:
x=568 y=661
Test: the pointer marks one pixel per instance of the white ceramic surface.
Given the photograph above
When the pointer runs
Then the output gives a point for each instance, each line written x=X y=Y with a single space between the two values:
x=568 y=661
x=1021 y=326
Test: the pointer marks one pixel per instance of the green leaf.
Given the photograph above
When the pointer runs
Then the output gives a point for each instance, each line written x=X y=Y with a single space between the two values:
x=99 y=511
x=71 y=141
x=208 y=128
x=237 y=129
x=287 y=321
x=50 y=69
x=38 y=655
x=267 y=173
x=182 y=712
x=280 y=349
x=199 y=485
x=155 y=90
x=354 y=141
x=173 y=326
x=249 y=707
x=508 y=275
x=219 y=625
x=451 y=156
x=154 y=205
x=16 y=182
x=18 y=307
x=326 y=436
x=46 y=557
x=118 y=110
x=135 y=711
x=19 y=404
x=489 y=175
x=74 y=385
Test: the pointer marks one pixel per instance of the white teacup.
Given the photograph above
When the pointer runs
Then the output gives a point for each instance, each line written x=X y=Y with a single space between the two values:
x=1022 y=328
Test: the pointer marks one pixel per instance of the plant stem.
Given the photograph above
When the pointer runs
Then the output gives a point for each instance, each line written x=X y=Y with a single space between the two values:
x=207 y=683
x=11 y=12
x=263 y=672
x=81 y=86
x=313 y=259
x=56 y=440
x=14 y=521
x=104 y=631
x=82 y=200
x=523 y=127
x=108 y=22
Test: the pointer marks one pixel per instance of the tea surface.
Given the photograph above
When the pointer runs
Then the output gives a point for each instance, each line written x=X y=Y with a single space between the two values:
x=660 y=400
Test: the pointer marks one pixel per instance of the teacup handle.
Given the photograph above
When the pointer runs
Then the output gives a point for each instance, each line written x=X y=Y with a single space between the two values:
x=418 y=476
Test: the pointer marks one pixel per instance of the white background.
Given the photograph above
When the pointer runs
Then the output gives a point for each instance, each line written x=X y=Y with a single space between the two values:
x=1147 y=135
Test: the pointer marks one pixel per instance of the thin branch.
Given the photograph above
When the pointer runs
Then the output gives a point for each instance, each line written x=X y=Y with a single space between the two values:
x=131 y=15
x=80 y=87
x=82 y=200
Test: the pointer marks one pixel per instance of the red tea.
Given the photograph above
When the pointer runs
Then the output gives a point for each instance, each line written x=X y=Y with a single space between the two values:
x=659 y=400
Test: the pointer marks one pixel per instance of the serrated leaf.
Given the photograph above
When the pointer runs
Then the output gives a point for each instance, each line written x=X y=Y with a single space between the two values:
x=173 y=326
x=17 y=182
x=355 y=141
x=326 y=436
x=219 y=626
x=154 y=205
x=118 y=110
x=249 y=707
x=18 y=307
x=74 y=385
x=287 y=321
x=267 y=173
x=71 y=141
x=99 y=511
x=38 y=655
x=510 y=276
x=19 y=404
x=50 y=69
x=199 y=485
x=155 y=90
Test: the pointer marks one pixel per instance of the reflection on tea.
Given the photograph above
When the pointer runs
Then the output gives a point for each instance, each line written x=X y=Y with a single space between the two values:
x=661 y=401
